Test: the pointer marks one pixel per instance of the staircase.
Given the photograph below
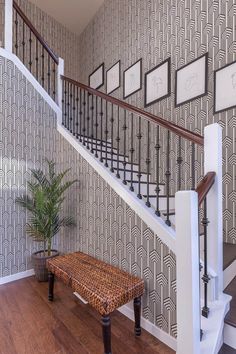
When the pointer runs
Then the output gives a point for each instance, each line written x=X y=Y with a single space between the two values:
x=150 y=163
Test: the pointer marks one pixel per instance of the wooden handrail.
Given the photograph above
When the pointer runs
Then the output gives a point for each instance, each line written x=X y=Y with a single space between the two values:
x=204 y=186
x=35 y=32
x=184 y=133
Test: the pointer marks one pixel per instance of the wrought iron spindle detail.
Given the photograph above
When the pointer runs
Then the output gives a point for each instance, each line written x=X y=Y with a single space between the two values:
x=132 y=153
x=54 y=80
x=106 y=134
x=148 y=162
x=84 y=117
x=30 y=51
x=179 y=163
x=157 y=148
x=124 y=136
x=71 y=108
x=68 y=107
x=205 y=277
x=80 y=115
x=101 y=135
x=16 y=23
x=92 y=124
x=37 y=59
x=74 y=119
x=42 y=56
x=168 y=174
x=23 y=43
x=63 y=102
x=139 y=136
x=77 y=112
x=118 y=143
x=88 y=120
x=112 y=136
x=96 y=128
x=193 y=166
x=49 y=75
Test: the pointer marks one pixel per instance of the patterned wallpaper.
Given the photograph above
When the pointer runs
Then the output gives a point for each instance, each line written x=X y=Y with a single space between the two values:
x=2 y=8
x=106 y=227
x=183 y=30
x=64 y=43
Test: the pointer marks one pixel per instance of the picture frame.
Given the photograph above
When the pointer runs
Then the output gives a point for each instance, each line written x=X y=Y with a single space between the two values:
x=96 y=78
x=157 y=83
x=225 y=78
x=113 y=78
x=133 y=79
x=191 y=80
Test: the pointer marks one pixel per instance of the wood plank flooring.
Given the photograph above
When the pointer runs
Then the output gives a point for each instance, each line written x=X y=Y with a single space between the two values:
x=29 y=324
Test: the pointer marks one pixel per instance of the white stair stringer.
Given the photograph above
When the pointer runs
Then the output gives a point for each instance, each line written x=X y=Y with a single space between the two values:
x=156 y=224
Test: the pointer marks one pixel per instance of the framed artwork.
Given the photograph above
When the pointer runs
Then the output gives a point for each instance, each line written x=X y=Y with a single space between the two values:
x=157 y=83
x=133 y=79
x=96 y=79
x=113 y=78
x=191 y=80
x=225 y=88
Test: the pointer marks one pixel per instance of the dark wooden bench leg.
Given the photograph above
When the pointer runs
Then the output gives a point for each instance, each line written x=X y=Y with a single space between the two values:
x=106 y=331
x=50 y=286
x=137 y=315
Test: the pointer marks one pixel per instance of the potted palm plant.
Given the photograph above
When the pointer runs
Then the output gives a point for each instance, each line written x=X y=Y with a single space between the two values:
x=44 y=204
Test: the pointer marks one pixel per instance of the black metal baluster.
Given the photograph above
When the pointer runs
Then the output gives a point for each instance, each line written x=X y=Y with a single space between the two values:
x=74 y=121
x=92 y=124
x=179 y=162
x=23 y=43
x=205 y=278
x=37 y=59
x=157 y=147
x=193 y=166
x=132 y=153
x=167 y=174
x=71 y=108
x=148 y=162
x=30 y=51
x=84 y=117
x=88 y=120
x=106 y=134
x=49 y=74
x=118 y=143
x=80 y=115
x=16 y=23
x=124 y=162
x=77 y=112
x=139 y=136
x=43 y=66
x=112 y=137
x=63 y=103
x=54 y=80
x=101 y=115
x=68 y=107
x=96 y=128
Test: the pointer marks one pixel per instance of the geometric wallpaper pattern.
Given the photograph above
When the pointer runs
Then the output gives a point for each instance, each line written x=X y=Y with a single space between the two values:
x=155 y=30
x=106 y=226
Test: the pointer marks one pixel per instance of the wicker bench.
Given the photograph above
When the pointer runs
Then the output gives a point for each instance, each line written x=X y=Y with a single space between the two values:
x=103 y=286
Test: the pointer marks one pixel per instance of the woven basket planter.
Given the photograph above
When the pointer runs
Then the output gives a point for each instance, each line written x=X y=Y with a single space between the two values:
x=39 y=263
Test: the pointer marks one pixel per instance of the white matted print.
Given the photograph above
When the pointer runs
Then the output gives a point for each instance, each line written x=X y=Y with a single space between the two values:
x=191 y=80
x=113 y=78
x=157 y=83
x=96 y=79
x=225 y=88
x=133 y=79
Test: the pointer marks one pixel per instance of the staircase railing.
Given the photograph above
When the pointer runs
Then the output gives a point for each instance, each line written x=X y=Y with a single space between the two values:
x=155 y=158
x=34 y=52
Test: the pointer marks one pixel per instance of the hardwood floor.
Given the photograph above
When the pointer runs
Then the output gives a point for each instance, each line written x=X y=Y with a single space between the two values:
x=29 y=324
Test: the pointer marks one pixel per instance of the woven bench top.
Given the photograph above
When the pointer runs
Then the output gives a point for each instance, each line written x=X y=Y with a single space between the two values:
x=103 y=286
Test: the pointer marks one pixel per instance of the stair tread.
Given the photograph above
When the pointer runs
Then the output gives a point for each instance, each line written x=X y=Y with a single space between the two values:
x=229 y=254
x=230 y=318
x=225 y=349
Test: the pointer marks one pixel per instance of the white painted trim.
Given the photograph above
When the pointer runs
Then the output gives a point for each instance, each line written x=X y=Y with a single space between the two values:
x=151 y=328
x=230 y=335
x=8 y=25
x=157 y=225
x=213 y=162
x=187 y=272
x=17 y=276
x=229 y=273
x=16 y=61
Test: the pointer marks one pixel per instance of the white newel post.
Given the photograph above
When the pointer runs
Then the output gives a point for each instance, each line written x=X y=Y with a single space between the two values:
x=187 y=268
x=60 y=72
x=8 y=25
x=213 y=162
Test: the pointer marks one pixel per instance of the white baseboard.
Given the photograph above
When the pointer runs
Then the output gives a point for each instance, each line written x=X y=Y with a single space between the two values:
x=229 y=273
x=230 y=336
x=151 y=328
x=17 y=276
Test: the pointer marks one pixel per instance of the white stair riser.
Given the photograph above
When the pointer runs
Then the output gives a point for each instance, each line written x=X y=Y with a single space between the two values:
x=230 y=336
